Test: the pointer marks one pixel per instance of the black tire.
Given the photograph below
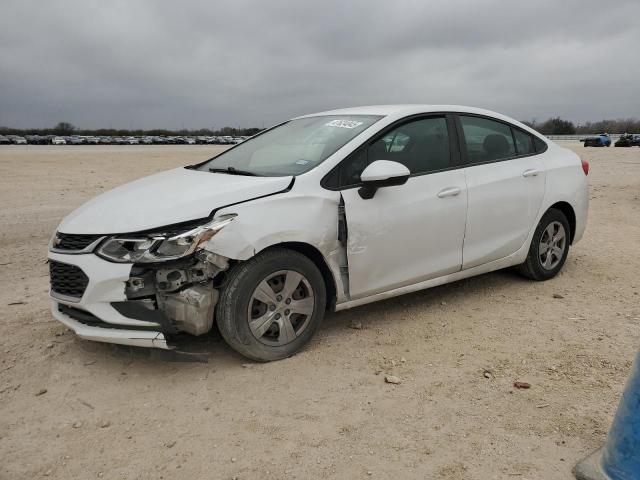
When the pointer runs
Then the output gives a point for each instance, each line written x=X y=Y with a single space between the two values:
x=533 y=267
x=232 y=310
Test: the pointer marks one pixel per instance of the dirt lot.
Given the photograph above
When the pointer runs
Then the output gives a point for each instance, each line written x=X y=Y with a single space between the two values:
x=115 y=413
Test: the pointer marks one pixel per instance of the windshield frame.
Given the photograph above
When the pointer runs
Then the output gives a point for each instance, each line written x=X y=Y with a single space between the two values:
x=376 y=119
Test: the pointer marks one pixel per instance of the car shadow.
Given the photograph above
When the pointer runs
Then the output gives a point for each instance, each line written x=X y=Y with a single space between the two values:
x=211 y=348
x=428 y=301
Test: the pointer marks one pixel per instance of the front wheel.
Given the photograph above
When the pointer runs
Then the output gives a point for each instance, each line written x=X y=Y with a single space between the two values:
x=271 y=305
x=549 y=247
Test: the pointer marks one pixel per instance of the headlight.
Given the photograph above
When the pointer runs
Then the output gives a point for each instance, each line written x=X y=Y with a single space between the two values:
x=158 y=248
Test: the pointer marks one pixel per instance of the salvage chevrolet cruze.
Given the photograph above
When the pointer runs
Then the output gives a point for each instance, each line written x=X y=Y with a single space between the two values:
x=324 y=212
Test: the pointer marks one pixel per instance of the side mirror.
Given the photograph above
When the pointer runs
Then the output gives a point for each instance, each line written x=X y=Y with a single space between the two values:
x=382 y=173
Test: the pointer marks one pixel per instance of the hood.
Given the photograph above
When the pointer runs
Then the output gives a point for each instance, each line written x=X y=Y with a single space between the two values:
x=166 y=198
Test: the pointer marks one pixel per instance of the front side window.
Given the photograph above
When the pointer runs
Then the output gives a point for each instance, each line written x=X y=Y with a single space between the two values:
x=292 y=148
x=420 y=145
x=486 y=140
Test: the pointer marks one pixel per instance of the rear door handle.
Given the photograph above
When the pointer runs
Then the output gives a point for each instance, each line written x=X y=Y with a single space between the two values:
x=532 y=172
x=449 y=192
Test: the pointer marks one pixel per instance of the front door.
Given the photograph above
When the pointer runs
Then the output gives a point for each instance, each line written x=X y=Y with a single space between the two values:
x=412 y=232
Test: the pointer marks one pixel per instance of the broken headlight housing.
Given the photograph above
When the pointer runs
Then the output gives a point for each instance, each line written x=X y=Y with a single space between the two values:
x=158 y=247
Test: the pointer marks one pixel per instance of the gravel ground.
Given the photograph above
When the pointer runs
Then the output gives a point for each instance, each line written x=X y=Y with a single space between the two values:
x=75 y=409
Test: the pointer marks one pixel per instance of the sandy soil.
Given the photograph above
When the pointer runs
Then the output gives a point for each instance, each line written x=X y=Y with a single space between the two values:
x=115 y=413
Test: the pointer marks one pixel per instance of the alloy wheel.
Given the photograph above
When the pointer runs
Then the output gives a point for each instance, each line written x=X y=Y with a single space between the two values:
x=280 y=308
x=552 y=245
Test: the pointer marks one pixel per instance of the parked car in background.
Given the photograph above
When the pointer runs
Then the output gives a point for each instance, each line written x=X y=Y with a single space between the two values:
x=58 y=141
x=628 y=140
x=17 y=140
x=324 y=212
x=4 y=140
x=600 y=140
x=36 y=139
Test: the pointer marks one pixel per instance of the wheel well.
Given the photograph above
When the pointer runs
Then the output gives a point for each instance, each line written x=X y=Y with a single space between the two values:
x=567 y=209
x=317 y=258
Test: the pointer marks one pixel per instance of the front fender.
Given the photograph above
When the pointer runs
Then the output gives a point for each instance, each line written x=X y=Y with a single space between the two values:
x=284 y=218
x=276 y=219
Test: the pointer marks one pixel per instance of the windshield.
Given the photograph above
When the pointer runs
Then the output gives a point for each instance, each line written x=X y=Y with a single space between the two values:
x=292 y=148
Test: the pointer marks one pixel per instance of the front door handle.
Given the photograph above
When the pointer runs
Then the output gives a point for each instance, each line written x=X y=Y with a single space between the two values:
x=449 y=192
x=532 y=172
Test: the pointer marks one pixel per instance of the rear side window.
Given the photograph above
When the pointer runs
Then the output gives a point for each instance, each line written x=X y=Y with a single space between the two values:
x=420 y=145
x=524 y=142
x=540 y=145
x=486 y=140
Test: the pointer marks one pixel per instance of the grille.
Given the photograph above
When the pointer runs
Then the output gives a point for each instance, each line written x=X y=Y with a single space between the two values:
x=70 y=241
x=67 y=279
x=91 y=320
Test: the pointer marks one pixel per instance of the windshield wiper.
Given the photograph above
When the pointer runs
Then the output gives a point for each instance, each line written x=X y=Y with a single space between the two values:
x=233 y=171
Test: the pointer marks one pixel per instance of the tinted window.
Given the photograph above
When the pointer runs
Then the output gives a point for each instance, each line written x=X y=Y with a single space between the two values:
x=486 y=140
x=524 y=142
x=348 y=172
x=421 y=145
x=540 y=145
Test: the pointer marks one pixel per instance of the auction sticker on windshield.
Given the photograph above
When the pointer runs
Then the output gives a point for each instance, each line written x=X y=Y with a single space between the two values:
x=343 y=124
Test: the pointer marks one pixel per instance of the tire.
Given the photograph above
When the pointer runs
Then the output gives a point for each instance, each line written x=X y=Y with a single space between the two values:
x=277 y=327
x=544 y=263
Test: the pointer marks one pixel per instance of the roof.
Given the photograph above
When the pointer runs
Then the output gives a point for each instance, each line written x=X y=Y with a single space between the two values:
x=402 y=109
x=399 y=111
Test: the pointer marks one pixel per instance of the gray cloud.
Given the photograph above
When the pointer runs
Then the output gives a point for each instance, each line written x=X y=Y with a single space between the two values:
x=201 y=64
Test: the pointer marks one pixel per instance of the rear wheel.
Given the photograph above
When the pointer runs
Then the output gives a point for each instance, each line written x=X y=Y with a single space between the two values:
x=549 y=247
x=271 y=305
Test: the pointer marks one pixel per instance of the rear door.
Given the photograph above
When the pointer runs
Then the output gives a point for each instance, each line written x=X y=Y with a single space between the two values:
x=411 y=232
x=505 y=179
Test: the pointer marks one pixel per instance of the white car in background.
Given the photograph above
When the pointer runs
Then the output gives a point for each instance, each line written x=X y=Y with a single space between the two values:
x=324 y=212
x=58 y=141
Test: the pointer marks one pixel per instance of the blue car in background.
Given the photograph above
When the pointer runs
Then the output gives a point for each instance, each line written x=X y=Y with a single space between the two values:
x=601 y=140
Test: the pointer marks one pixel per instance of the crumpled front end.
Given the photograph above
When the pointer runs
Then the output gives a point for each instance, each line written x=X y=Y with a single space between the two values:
x=135 y=304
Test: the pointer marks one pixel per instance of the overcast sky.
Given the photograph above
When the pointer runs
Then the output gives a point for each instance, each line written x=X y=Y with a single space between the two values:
x=155 y=64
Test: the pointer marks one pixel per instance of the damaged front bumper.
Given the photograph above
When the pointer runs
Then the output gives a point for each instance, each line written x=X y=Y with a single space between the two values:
x=106 y=332
x=138 y=305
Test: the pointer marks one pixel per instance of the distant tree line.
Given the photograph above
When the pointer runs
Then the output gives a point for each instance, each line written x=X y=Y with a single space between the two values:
x=65 y=129
x=552 y=126
x=559 y=126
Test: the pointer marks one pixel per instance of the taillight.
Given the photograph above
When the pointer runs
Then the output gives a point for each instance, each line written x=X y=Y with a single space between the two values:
x=585 y=167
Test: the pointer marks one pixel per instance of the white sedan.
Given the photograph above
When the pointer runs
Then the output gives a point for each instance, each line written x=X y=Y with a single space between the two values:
x=323 y=212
